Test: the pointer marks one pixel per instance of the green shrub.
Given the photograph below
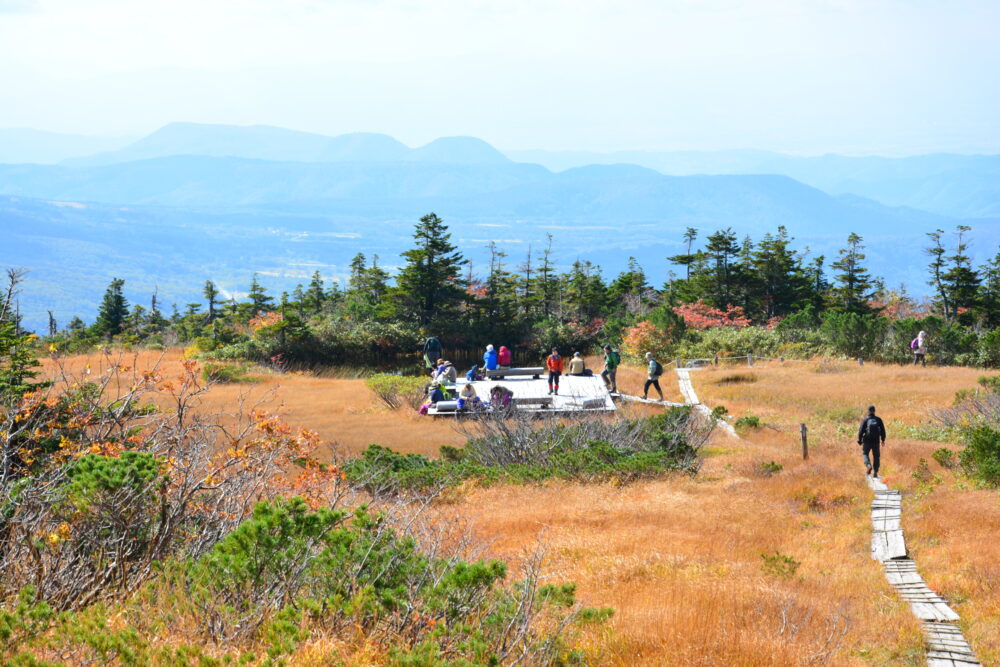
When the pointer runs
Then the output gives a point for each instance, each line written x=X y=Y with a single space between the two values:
x=853 y=335
x=944 y=458
x=225 y=373
x=719 y=412
x=779 y=564
x=768 y=468
x=589 y=450
x=395 y=390
x=981 y=456
x=990 y=383
x=747 y=422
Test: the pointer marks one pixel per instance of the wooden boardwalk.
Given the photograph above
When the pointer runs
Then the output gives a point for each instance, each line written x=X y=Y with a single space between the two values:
x=946 y=646
x=691 y=398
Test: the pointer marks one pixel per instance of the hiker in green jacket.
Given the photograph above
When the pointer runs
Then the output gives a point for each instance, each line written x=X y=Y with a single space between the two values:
x=610 y=372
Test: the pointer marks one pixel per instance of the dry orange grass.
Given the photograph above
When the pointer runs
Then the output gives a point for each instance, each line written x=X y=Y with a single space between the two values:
x=951 y=528
x=344 y=412
x=680 y=559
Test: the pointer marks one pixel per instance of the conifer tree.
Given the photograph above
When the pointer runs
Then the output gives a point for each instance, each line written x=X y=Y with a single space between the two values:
x=260 y=301
x=853 y=286
x=113 y=311
x=429 y=288
x=960 y=281
x=211 y=294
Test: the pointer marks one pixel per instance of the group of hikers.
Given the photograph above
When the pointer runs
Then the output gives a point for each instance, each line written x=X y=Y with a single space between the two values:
x=871 y=433
x=443 y=372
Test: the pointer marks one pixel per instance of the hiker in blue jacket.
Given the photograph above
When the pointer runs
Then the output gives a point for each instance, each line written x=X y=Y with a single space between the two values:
x=490 y=358
x=871 y=437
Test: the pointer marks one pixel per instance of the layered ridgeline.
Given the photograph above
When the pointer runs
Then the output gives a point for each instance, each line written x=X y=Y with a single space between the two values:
x=220 y=202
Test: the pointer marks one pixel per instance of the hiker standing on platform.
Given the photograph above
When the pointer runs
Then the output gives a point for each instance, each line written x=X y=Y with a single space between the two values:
x=653 y=378
x=871 y=437
x=432 y=351
x=555 y=365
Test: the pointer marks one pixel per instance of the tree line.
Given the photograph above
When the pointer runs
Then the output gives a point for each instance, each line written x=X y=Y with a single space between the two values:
x=533 y=304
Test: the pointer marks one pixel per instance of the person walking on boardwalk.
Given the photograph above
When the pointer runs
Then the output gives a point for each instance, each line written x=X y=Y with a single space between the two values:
x=555 y=365
x=919 y=347
x=610 y=372
x=871 y=437
x=653 y=378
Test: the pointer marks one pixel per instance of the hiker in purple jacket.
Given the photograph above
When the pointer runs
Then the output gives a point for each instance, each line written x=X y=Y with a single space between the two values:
x=919 y=347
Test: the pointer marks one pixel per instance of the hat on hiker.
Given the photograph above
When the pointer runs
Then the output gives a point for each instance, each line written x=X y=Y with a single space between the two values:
x=871 y=408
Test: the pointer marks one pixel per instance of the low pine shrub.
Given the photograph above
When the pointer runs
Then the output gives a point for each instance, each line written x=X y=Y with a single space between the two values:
x=396 y=390
x=747 y=422
x=779 y=564
x=981 y=456
x=224 y=373
x=514 y=450
x=944 y=458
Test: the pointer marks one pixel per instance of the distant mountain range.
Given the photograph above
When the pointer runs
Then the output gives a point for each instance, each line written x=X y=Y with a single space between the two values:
x=263 y=142
x=191 y=202
x=961 y=186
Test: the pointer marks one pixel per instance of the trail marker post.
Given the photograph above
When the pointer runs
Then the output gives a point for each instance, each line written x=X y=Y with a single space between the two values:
x=805 y=442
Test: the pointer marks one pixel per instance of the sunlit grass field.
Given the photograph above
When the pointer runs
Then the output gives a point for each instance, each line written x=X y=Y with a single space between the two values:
x=762 y=558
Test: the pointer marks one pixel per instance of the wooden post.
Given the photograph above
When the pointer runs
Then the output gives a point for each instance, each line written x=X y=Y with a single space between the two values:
x=715 y=361
x=677 y=363
x=805 y=441
x=861 y=362
x=750 y=360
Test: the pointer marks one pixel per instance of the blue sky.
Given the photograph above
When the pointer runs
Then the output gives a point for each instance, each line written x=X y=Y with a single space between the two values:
x=807 y=76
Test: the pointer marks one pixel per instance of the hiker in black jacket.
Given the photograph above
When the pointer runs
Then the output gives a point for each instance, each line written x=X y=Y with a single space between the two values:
x=871 y=437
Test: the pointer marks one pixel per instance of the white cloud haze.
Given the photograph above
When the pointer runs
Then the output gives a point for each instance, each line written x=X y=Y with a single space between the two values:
x=856 y=76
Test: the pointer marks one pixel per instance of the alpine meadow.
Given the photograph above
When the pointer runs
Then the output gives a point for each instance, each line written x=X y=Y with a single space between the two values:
x=524 y=333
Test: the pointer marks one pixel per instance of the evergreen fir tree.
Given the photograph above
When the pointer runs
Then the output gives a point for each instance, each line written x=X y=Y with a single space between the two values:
x=853 y=286
x=113 y=311
x=429 y=288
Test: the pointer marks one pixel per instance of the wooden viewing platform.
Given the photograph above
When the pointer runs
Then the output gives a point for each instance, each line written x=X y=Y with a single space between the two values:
x=577 y=393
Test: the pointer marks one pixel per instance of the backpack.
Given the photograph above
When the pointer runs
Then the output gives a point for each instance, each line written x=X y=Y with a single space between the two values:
x=657 y=368
x=915 y=344
x=471 y=375
x=871 y=428
x=616 y=358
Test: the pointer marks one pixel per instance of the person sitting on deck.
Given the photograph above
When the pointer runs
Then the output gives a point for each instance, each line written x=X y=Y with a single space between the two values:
x=447 y=373
x=436 y=393
x=467 y=398
x=490 y=358
x=500 y=397
x=503 y=358
x=577 y=366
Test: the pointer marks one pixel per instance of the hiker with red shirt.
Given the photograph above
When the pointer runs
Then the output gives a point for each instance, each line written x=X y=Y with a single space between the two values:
x=555 y=366
x=503 y=358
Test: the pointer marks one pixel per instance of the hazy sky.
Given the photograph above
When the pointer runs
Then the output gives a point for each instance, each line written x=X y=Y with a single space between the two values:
x=857 y=76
